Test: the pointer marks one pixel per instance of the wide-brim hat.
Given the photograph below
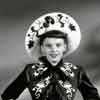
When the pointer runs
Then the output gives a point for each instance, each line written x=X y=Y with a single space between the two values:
x=48 y=22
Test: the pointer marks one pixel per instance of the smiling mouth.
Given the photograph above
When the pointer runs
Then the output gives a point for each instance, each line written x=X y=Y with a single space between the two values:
x=53 y=55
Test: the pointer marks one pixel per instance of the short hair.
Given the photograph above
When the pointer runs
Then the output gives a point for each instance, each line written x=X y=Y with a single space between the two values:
x=55 y=34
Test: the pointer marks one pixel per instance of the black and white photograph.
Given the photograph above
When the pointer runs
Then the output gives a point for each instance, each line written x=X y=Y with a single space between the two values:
x=49 y=50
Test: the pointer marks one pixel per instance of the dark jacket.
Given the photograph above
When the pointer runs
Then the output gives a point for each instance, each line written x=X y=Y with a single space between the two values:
x=47 y=82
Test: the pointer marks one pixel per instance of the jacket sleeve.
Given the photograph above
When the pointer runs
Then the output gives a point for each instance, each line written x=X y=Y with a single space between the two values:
x=87 y=89
x=16 y=87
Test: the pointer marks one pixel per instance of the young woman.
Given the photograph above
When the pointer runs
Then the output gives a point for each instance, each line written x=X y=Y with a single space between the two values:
x=49 y=39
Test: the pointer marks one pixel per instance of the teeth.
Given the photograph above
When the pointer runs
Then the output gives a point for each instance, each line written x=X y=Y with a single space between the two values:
x=53 y=55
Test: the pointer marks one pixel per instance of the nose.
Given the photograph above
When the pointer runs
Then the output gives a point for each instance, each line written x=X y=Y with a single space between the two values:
x=53 y=49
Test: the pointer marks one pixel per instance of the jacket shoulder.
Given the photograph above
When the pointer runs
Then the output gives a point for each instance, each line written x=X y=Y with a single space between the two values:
x=36 y=68
x=70 y=65
x=70 y=69
x=35 y=65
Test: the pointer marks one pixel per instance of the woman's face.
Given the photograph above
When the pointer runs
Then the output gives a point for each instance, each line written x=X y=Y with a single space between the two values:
x=53 y=49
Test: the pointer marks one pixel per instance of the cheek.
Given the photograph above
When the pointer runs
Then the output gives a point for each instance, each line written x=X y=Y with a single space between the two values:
x=63 y=49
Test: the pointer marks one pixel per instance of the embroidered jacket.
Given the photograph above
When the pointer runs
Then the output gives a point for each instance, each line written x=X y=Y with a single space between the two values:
x=46 y=82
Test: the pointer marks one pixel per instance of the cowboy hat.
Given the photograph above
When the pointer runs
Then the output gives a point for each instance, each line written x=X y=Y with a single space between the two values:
x=48 y=22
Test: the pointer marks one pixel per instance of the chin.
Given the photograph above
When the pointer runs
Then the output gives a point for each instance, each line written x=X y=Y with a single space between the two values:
x=54 y=63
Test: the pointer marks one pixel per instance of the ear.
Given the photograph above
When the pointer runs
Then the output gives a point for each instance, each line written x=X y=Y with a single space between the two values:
x=42 y=49
x=65 y=48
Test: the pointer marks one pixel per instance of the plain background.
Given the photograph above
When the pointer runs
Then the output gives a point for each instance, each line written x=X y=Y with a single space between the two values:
x=17 y=15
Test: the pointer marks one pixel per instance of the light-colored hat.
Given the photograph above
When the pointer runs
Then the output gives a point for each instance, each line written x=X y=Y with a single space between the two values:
x=48 y=22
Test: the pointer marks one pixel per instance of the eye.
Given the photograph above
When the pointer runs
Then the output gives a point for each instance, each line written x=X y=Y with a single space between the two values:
x=48 y=45
x=58 y=44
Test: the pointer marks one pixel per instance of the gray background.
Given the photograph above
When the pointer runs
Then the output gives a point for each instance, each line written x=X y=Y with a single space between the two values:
x=17 y=15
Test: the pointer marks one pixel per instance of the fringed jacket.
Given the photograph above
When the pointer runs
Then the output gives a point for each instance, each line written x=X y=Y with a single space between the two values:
x=47 y=82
